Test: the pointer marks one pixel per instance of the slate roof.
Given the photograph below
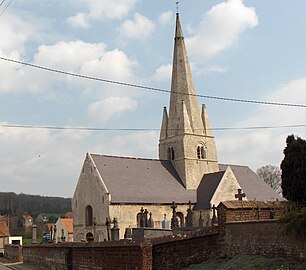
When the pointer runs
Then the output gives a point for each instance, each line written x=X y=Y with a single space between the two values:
x=252 y=185
x=141 y=181
x=207 y=188
x=138 y=180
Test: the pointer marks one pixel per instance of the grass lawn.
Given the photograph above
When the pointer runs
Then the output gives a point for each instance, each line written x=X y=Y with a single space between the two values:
x=244 y=262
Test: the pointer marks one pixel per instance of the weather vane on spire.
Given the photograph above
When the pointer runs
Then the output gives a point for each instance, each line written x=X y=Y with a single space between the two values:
x=177 y=7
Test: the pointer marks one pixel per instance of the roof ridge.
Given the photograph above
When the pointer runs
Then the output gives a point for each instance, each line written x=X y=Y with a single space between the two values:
x=126 y=157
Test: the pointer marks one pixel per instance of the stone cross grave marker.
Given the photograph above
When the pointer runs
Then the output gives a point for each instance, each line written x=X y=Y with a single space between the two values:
x=174 y=219
x=214 y=220
x=240 y=195
x=189 y=216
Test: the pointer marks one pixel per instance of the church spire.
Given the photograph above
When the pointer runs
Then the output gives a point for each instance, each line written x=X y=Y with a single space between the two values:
x=186 y=137
x=182 y=88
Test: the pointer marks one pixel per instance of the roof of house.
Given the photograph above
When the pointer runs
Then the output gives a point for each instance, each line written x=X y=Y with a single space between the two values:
x=235 y=205
x=4 y=230
x=207 y=188
x=68 y=224
x=138 y=180
x=252 y=185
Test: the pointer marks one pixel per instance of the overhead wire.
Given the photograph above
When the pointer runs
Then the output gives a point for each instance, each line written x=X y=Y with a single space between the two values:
x=5 y=7
x=150 y=88
x=2 y=3
x=143 y=129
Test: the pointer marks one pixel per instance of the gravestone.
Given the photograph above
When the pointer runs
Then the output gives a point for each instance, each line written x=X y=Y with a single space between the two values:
x=107 y=224
x=189 y=216
x=115 y=231
x=145 y=215
x=201 y=220
x=34 y=234
x=165 y=222
x=214 y=220
x=142 y=221
x=128 y=233
x=174 y=219
x=151 y=221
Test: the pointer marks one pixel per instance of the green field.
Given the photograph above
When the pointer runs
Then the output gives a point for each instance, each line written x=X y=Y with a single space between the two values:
x=244 y=262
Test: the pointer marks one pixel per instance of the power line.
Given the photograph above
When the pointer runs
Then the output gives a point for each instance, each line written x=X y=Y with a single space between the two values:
x=151 y=88
x=5 y=7
x=2 y=3
x=143 y=129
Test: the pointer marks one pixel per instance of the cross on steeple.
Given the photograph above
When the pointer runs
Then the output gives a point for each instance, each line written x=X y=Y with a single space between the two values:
x=240 y=195
x=177 y=7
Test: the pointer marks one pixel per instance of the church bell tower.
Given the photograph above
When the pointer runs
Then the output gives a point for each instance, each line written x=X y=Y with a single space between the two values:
x=185 y=137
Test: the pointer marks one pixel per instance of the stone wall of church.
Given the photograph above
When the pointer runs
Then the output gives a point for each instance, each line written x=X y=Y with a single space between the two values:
x=186 y=162
x=126 y=215
x=226 y=189
x=90 y=191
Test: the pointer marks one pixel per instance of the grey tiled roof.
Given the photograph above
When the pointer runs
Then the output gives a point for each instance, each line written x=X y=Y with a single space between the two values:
x=207 y=188
x=141 y=181
x=137 y=180
x=252 y=185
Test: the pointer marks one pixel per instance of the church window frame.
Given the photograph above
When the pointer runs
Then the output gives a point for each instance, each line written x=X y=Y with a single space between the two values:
x=172 y=153
x=201 y=151
x=88 y=216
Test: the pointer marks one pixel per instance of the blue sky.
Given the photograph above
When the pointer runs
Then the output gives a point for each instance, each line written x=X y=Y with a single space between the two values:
x=240 y=49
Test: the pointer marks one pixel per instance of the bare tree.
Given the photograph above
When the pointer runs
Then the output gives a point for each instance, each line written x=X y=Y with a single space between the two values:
x=272 y=176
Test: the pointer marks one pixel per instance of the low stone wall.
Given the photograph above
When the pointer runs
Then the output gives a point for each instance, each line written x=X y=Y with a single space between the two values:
x=127 y=255
x=51 y=257
x=13 y=252
x=184 y=249
x=262 y=238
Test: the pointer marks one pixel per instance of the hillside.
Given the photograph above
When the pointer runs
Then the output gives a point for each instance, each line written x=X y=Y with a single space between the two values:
x=16 y=204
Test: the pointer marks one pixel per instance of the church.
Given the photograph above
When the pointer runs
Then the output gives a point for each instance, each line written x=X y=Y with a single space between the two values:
x=187 y=171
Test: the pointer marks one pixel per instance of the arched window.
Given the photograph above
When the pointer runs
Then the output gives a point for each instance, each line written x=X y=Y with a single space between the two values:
x=172 y=153
x=88 y=216
x=201 y=152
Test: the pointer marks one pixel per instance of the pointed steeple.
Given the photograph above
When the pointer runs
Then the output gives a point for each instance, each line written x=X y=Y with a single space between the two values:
x=164 y=126
x=185 y=137
x=182 y=87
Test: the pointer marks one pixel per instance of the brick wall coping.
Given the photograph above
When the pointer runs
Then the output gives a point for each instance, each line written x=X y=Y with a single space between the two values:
x=252 y=221
x=104 y=244
x=184 y=235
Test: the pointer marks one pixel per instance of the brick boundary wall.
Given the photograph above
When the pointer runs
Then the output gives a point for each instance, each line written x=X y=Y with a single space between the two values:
x=13 y=252
x=262 y=238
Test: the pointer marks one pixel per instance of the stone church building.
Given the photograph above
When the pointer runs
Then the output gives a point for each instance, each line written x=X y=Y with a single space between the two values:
x=187 y=169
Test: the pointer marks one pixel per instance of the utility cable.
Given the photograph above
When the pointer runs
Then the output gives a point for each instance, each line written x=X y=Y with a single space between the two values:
x=151 y=88
x=5 y=7
x=2 y=3
x=142 y=129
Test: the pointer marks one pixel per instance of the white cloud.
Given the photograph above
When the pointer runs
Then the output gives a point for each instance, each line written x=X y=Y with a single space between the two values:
x=140 y=144
x=139 y=28
x=78 y=20
x=101 y=10
x=165 y=17
x=76 y=56
x=163 y=73
x=265 y=146
x=104 y=109
x=211 y=69
x=221 y=27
